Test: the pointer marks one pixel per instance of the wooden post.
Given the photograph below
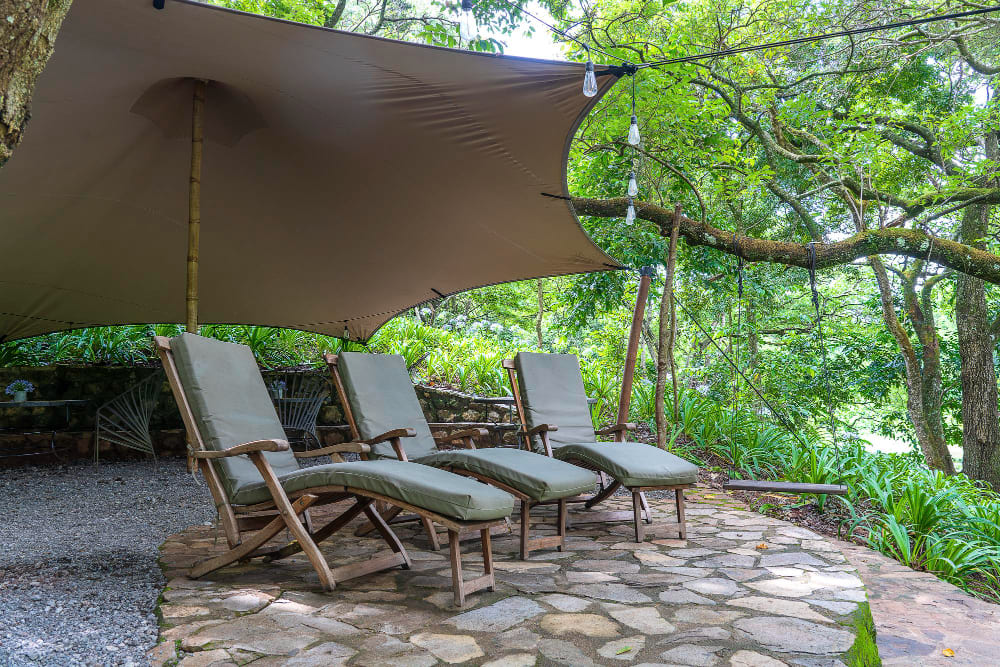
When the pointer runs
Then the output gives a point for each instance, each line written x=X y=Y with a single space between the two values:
x=194 y=205
x=645 y=274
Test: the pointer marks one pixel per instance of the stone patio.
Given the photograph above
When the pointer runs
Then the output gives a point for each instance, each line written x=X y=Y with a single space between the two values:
x=743 y=590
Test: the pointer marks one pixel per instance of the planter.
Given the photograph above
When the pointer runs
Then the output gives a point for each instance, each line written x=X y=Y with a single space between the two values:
x=20 y=396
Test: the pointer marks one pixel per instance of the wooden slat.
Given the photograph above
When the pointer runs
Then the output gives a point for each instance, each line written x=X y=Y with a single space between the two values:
x=784 y=487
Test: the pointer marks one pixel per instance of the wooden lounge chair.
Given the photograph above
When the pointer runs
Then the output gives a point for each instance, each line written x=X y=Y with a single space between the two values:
x=236 y=438
x=378 y=396
x=555 y=419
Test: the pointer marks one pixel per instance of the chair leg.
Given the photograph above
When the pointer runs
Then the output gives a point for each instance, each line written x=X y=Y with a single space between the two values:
x=637 y=512
x=388 y=512
x=645 y=507
x=432 y=533
x=604 y=494
x=681 y=521
x=455 y=553
x=488 y=558
x=525 y=528
x=390 y=537
x=561 y=518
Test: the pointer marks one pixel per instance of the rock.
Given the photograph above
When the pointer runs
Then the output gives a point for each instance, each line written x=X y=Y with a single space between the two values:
x=703 y=616
x=752 y=659
x=450 y=648
x=839 y=608
x=742 y=574
x=683 y=596
x=247 y=601
x=656 y=559
x=216 y=658
x=790 y=558
x=513 y=660
x=522 y=566
x=793 y=635
x=692 y=654
x=646 y=620
x=589 y=577
x=625 y=650
x=612 y=592
x=727 y=560
x=588 y=625
x=610 y=566
x=566 y=602
x=329 y=654
x=692 y=552
x=529 y=583
x=563 y=653
x=712 y=586
x=520 y=639
x=792 y=608
x=498 y=616
x=789 y=588
x=708 y=632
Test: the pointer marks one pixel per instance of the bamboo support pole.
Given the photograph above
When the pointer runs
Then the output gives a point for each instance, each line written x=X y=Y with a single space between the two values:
x=194 y=205
x=625 y=400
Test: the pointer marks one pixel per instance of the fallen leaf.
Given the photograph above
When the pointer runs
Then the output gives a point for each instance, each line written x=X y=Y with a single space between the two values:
x=948 y=653
x=626 y=649
x=762 y=545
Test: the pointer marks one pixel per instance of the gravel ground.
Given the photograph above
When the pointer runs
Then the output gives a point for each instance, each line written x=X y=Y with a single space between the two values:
x=78 y=548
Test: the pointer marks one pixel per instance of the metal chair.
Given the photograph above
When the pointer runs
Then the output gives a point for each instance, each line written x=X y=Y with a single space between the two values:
x=299 y=403
x=124 y=420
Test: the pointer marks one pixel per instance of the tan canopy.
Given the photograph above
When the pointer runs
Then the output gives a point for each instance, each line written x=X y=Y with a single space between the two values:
x=345 y=178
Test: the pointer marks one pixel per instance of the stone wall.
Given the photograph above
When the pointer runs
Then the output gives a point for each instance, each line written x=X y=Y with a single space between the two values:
x=99 y=384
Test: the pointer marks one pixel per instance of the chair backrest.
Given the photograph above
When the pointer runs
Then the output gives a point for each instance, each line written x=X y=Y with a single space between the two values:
x=382 y=398
x=229 y=404
x=552 y=392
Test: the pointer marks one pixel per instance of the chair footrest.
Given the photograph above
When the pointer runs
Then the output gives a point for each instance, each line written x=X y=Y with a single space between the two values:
x=352 y=570
x=544 y=542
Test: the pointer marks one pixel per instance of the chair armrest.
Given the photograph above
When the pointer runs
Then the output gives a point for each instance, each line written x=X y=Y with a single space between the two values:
x=389 y=435
x=393 y=437
x=616 y=428
x=542 y=428
x=245 y=448
x=356 y=447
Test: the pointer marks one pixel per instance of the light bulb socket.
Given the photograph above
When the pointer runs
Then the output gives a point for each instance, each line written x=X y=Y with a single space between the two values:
x=635 y=121
x=590 y=66
x=466 y=5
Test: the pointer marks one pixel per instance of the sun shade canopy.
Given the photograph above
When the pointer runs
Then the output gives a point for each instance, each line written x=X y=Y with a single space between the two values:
x=345 y=177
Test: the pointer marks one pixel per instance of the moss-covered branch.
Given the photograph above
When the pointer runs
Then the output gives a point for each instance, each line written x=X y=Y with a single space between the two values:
x=968 y=260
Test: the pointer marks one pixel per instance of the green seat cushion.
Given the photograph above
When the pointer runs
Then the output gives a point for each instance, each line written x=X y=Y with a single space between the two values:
x=552 y=392
x=445 y=493
x=382 y=399
x=631 y=463
x=231 y=406
x=537 y=476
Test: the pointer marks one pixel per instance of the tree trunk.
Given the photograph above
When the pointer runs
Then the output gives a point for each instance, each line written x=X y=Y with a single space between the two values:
x=27 y=37
x=935 y=453
x=541 y=312
x=665 y=354
x=980 y=418
x=921 y=314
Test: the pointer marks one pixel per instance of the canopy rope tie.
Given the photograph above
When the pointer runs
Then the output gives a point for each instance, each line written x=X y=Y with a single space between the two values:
x=822 y=350
x=736 y=354
x=766 y=485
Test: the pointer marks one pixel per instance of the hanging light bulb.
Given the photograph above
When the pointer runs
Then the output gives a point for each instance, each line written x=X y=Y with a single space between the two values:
x=468 y=30
x=630 y=213
x=633 y=185
x=589 y=78
x=633 y=132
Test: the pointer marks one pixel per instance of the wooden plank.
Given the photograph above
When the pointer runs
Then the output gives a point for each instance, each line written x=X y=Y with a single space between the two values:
x=784 y=487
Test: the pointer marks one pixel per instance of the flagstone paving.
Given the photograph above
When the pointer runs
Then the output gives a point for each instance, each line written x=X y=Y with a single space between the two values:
x=743 y=590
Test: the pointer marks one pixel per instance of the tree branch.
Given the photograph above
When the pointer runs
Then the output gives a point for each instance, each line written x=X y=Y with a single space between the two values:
x=902 y=242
